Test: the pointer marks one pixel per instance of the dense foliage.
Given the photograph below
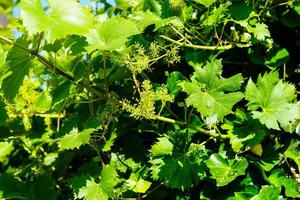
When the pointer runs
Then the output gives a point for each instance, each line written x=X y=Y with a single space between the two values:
x=150 y=99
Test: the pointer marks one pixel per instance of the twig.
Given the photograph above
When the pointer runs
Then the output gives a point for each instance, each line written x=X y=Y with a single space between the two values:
x=211 y=48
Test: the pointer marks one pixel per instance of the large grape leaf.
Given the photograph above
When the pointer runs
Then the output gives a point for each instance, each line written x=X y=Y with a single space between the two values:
x=244 y=131
x=102 y=190
x=171 y=163
x=210 y=93
x=111 y=34
x=17 y=67
x=64 y=18
x=271 y=101
x=225 y=170
x=75 y=139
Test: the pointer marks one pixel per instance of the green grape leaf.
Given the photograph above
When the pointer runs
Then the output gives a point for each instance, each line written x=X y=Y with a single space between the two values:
x=260 y=31
x=5 y=149
x=296 y=6
x=18 y=65
x=240 y=10
x=270 y=101
x=111 y=34
x=43 y=102
x=109 y=142
x=210 y=93
x=225 y=170
x=246 y=190
x=69 y=14
x=277 y=57
x=78 y=182
x=11 y=187
x=292 y=152
x=206 y=3
x=102 y=190
x=162 y=147
x=172 y=82
x=244 y=131
x=75 y=139
x=215 y=15
x=50 y=158
x=173 y=169
x=137 y=184
x=60 y=93
x=268 y=193
x=42 y=188
x=145 y=19
x=279 y=178
x=270 y=157
x=273 y=58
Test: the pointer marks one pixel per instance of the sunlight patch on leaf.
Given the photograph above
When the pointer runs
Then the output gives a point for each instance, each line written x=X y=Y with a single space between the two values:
x=75 y=139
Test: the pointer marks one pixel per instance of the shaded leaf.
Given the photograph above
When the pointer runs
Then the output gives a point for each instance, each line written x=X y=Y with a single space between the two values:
x=293 y=151
x=172 y=82
x=42 y=188
x=173 y=165
x=244 y=131
x=270 y=157
x=279 y=178
x=18 y=65
x=3 y=113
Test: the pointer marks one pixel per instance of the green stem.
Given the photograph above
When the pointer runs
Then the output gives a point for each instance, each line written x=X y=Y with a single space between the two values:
x=201 y=130
x=211 y=48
